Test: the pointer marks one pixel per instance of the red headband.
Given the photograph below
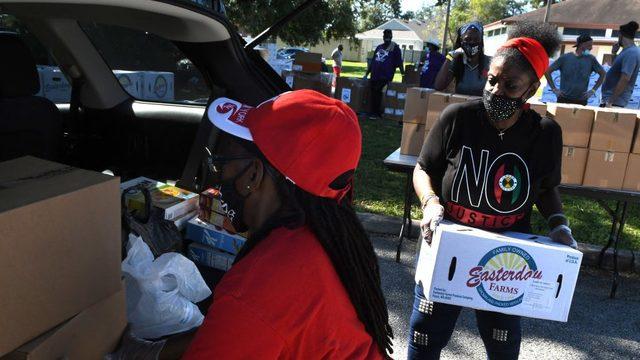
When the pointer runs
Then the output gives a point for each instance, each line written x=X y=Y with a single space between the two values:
x=533 y=51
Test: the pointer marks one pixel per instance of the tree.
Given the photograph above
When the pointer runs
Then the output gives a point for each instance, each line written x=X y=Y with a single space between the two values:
x=325 y=20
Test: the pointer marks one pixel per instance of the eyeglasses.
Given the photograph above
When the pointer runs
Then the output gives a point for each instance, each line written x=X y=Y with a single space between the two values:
x=215 y=163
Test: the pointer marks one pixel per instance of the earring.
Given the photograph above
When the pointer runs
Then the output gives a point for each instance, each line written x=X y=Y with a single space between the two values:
x=248 y=187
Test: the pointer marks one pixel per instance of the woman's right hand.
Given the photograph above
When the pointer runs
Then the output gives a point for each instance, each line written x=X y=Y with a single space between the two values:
x=433 y=213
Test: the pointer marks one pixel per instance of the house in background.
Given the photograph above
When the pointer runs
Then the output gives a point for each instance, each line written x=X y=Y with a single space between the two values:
x=410 y=35
x=598 y=18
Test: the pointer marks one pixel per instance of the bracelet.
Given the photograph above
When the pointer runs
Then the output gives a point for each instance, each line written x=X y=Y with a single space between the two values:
x=426 y=198
x=449 y=57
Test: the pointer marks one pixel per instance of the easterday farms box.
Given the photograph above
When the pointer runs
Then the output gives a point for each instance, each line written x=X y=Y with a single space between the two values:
x=510 y=273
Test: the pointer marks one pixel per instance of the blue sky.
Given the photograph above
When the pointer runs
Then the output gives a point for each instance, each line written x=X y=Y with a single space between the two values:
x=414 y=5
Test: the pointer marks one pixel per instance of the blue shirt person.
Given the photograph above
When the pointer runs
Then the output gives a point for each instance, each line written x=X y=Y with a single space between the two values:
x=621 y=78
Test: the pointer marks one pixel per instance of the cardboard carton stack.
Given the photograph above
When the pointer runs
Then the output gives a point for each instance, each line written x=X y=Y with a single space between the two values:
x=394 y=100
x=60 y=254
x=414 y=120
x=510 y=273
x=308 y=62
x=354 y=92
x=319 y=81
x=598 y=146
x=215 y=241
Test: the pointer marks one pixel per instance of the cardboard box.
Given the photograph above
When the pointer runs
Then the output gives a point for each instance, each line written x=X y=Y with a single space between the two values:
x=411 y=75
x=576 y=122
x=539 y=107
x=175 y=202
x=60 y=245
x=211 y=211
x=320 y=82
x=308 y=62
x=416 y=104
x=353 y=92
x=636 y=140
x=510 y=273
x=208 y=256
x=90 y=335
x=613 y=130
x=412 y=138
x=605 y=169
x=457 y=98
x=574 y=161
x=437 y=102
x=207 y=234
x=632 y=175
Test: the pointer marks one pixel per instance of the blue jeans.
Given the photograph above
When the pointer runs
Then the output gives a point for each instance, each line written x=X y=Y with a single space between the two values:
x=432 y=324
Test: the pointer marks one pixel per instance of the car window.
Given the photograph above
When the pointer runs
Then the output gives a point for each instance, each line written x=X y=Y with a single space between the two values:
x=53 y=84
x=148 y=66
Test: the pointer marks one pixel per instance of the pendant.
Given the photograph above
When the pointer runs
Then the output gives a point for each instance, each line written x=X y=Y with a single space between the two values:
x=501 y=134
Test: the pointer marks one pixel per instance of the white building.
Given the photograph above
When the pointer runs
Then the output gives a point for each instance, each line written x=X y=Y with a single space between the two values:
x=599 y=18
x=410 y=35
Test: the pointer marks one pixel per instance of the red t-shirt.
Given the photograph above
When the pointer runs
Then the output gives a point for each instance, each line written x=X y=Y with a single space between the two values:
x=283 y=301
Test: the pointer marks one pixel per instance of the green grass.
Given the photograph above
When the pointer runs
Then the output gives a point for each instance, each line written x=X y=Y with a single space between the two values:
x=382 y=192
x=357 y=69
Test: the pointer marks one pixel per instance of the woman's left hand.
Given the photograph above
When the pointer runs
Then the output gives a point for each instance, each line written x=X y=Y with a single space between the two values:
x=562 y=234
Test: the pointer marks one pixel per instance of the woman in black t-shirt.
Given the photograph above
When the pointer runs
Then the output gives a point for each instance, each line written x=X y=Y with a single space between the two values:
x=485 y=164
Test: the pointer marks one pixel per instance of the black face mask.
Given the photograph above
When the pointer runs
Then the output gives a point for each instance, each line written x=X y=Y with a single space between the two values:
x=471 y=49
x=499 y=107
x=233 y=202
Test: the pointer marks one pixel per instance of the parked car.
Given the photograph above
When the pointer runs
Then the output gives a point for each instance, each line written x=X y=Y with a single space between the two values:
x=289 y=53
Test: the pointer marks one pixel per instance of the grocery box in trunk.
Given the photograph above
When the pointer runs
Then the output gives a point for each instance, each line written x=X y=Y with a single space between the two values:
x=60 y=245
x=510 y=273
x=207 y=234
x=90 y=335
x=174 y=202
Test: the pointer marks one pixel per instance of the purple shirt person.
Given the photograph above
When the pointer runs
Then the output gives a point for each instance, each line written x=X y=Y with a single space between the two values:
x=382 y=67
x=430 y=65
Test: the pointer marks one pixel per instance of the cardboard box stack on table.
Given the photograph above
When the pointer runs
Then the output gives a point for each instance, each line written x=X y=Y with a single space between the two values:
x=576 y=123
x=354 y=92
x=414 y=120
x=60 y=254
x=437 y=102
x=215 y=241
x=306 y=73
x=611 y=140
x=510 y=273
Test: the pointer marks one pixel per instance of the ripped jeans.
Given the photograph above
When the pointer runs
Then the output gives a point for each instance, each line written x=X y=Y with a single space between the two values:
x=432 y=324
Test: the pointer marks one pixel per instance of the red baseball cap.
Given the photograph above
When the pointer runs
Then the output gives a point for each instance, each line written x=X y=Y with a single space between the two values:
x=313 y=140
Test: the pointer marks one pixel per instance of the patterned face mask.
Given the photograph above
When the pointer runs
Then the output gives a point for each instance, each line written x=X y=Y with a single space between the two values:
x=471 y=49
x=499 y=107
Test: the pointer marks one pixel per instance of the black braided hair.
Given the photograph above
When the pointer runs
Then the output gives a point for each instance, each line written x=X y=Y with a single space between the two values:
x=545 y=33
x=343 y=238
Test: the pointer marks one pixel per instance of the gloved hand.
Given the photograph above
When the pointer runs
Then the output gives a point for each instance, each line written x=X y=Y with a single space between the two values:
x=562 y=234
x=365 y=77
x=433 y=213
x=558 y=92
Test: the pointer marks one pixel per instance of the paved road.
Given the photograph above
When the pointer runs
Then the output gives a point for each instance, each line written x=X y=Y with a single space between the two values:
x=598 y=327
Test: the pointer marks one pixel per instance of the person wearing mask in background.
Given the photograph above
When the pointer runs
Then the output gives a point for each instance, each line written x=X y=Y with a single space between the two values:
x=306 y=284
x=575 y=73
x=525 y=153
x=386 y=58
x=621 y=78
x=467 y=64
x=430 y=64
x=336 y=55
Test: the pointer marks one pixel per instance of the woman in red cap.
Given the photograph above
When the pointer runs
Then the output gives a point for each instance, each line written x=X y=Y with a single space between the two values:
x=306 y=285
x=485 y=164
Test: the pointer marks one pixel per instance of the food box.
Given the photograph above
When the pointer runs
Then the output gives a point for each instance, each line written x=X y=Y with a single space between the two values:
x=574 y=161
x=510 y=273
x=605 y=169
x=207 y=234
x=175 y=202
x=211 y=257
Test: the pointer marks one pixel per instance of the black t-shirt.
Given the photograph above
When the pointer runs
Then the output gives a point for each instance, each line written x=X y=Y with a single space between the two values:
x=486 y=182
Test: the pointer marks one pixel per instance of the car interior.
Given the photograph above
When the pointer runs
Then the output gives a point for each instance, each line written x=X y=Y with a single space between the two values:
x=101 y=125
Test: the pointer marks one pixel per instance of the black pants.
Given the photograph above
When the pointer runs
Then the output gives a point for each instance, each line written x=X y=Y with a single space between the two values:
x=566 y=100
x=376 y=95
x=432 y=324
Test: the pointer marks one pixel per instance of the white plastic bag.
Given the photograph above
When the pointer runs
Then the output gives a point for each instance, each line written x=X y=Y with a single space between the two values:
x=161 y=293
